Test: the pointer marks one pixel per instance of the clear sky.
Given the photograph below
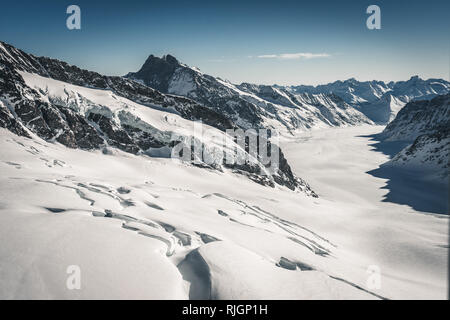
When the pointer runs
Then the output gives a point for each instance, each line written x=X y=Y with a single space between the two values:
x=278 y=41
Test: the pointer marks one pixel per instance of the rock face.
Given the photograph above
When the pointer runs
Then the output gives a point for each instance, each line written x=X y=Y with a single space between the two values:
x=378 y=100
x=288 y=108
x=248 y=105
x=428 y=151
x=16 y=59
x=419 y=117
x=426 y=124
x=72 y=117
x=156 y=72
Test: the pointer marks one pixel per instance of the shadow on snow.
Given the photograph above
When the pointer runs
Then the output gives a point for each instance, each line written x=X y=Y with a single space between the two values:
x=409 y=187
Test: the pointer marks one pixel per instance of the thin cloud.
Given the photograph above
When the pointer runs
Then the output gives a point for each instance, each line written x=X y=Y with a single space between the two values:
x=293 y=56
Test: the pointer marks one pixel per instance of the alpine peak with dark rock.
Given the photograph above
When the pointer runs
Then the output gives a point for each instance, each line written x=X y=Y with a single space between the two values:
x=122 y=115
x=156 y=72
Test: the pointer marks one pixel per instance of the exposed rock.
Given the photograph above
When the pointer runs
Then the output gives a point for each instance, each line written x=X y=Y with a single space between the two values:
x=426 y=125
x=78 y=123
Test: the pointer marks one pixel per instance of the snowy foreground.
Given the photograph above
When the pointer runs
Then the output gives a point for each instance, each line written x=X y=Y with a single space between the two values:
x=153 y=228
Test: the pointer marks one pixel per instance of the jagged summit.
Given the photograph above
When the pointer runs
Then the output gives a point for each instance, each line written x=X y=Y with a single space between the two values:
x=80 y=109
x=156 y=72
x=378 y=100
x=154 y=60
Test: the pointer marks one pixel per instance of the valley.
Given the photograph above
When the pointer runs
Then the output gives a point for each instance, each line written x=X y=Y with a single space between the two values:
x=355 y=209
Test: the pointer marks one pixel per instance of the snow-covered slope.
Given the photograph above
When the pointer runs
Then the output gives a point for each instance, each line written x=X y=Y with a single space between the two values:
x=82 y=109
x=304 y=111
x=426 y=124
x=12 y=59
x=85 y=182
x=382 y=110
x=419 y=117
x=247 y=105
x=378 y=100
x=140 y=227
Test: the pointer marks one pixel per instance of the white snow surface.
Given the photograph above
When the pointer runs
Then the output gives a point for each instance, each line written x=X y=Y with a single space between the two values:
x=166 y=125
x=153 y=228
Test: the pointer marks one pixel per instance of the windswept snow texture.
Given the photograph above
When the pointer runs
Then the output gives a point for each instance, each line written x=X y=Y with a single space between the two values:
x=141 y=227
x=86 y=183
x=135 y=241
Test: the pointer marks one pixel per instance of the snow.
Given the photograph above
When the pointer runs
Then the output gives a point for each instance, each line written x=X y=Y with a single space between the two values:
x=107 y=103
x=2 y=48
x=166 y=125
x=141 y=227
x=395 y=105
x=154 y=228
x=409 y=246
x=427 y=156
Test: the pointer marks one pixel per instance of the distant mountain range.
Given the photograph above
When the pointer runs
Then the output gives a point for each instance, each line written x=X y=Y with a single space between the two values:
x=378 y=100
x=339 y=103
x=247 y=105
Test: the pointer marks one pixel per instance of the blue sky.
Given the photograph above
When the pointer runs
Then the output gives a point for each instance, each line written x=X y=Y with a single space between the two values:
x=324 y=40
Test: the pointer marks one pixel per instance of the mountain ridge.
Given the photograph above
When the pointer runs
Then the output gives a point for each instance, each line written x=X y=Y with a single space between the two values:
x=425 y=124
x=247 y=105
x=368 y=96
x=83 y=109
x=282 y=107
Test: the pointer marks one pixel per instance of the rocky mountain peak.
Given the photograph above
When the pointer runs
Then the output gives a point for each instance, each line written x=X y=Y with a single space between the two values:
x=153 y=60
x=156 y=72
x=170 y=59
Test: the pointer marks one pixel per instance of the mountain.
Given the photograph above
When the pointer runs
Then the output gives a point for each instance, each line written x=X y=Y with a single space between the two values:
x=383 y=110
x=351 y=91
x=172 y=77
x=87 y=186
x=378 y=100
x=143 y=111
x=305 y=111
x=426 y=124
x=248 y=105
x=57 y=102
